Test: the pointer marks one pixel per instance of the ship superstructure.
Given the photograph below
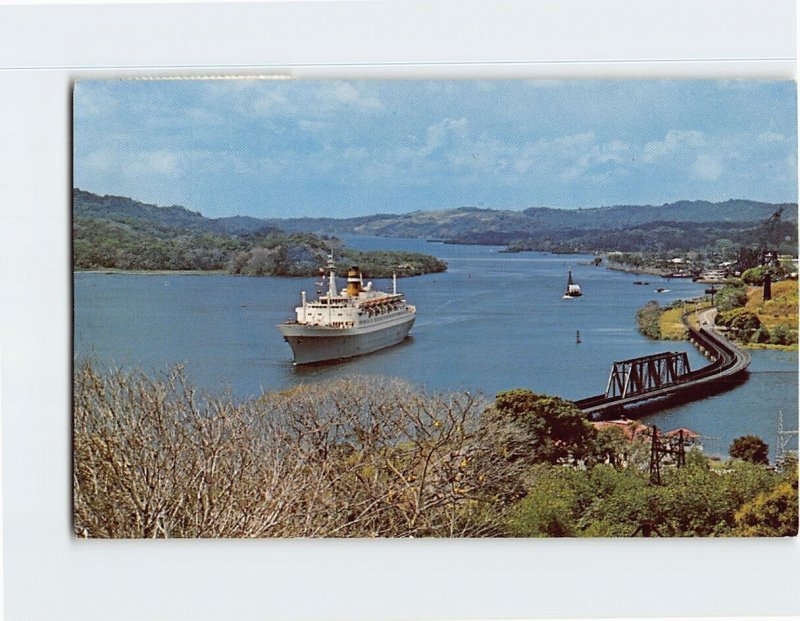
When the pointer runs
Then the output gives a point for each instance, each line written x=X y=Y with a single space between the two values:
x=573 y=290
x=346 y=323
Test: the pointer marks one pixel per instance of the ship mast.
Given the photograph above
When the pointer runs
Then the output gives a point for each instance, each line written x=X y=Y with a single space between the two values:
x=331 y=277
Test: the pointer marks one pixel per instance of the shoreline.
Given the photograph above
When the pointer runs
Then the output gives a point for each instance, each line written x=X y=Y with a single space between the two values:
x=113 y=271
x=752 y=346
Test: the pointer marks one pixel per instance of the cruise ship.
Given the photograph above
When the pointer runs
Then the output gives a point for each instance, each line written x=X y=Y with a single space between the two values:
x=347 y=323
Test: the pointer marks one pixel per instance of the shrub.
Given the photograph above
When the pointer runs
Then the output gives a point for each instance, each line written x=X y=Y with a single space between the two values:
x=783 y=335
x=741 y=322
x=731 y=297
x=750 y=448
x=762 y=335
x=648 y=320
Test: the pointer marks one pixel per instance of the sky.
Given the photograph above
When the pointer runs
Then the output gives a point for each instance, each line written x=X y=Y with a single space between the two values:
x=291 y=148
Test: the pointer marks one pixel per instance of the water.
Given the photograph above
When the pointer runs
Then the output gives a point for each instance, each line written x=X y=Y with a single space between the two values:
x=492 y=322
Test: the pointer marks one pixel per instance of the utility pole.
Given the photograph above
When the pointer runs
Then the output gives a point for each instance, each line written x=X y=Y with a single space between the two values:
x=784 y=437
x=658 y=450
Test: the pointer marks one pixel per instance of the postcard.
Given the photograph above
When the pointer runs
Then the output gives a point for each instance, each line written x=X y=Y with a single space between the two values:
x=434 y=308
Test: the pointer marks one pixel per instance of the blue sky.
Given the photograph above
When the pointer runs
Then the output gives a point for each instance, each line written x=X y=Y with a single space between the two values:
x=286 y=148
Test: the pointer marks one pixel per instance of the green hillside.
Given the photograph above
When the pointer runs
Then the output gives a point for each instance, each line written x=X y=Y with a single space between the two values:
x=117 y=233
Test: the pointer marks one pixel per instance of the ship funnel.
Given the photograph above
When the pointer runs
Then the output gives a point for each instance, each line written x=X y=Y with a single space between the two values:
x=353 y=282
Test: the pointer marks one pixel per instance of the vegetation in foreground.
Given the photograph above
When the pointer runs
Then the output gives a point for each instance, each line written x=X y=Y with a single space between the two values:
x=376 y=458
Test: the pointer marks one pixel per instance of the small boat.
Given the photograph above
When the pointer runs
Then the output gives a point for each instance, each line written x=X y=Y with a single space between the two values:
x=662 y=290
x=640 y=282
x=573 y=290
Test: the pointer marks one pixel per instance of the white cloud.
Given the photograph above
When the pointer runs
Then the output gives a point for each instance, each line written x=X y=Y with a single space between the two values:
x=436 y=135
x=675 y=140
x=346 y=93
x=707 y=167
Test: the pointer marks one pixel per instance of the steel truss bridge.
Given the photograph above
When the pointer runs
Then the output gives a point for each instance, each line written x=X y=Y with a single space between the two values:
x=667 y=375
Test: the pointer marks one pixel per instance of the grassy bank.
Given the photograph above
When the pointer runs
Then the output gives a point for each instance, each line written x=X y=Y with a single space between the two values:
x=666 y=323
x=781 y=310
x=759 y=324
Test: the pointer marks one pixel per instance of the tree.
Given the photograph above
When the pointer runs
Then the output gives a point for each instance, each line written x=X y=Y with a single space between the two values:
x=750 y=448
x=539 y=428
x=355 y=457
x=553 y=502
x=743 y=323
x=731 y=297
x=755 y=275
x=772 y=514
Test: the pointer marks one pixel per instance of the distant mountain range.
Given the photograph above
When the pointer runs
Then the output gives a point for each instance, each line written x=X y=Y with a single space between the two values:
x=679 y=226
x=442 y=224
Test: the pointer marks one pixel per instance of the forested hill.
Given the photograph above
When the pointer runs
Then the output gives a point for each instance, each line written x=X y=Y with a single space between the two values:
x=118 y=233
x=447 y=223
x=89 y=206
x=466 y=221
x=683 y=225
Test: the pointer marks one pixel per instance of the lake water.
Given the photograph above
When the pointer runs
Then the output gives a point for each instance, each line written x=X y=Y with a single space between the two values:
x=492 y=322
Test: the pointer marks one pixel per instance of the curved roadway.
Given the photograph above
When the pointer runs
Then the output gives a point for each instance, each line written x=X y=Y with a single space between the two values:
x=727 y=362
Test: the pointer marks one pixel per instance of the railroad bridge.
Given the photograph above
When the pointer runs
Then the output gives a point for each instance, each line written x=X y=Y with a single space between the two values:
x=640 y=375
x=665 y=375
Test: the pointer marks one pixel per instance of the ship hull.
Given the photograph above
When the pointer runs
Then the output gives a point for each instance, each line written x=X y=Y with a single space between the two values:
x=315 y=344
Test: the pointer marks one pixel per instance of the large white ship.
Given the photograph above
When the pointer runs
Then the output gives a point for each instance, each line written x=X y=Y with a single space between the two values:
x=351 y=322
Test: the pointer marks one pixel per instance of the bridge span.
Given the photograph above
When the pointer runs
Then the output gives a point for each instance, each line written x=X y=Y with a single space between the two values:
x=667 y=375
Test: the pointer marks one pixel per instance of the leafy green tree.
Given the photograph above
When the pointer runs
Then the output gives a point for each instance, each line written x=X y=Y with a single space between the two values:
x=731 y=297
x=755 y=275
x=743 y=323
x=611 y=446
x=539 y=428
x=555 y=498
x=623 y=504
x=750 y=448
x=771 y=514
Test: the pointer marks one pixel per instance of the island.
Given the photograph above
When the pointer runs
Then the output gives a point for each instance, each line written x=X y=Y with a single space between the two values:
x=118 y=234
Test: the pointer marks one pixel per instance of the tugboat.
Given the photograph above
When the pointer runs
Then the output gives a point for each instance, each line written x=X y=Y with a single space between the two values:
x=573 y=290
x=352 y=322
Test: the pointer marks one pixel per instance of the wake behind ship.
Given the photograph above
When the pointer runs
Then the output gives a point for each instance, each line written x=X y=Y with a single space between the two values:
x=352 y=322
